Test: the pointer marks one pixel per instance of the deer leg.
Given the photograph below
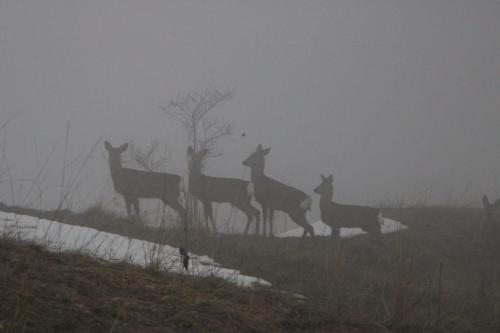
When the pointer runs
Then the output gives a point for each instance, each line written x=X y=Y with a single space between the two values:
x=209 y=215
x=256 y=215
x=335 y=231
x=205 y=215
x=250 y=212
x=127 y=205
x=214 y=223
x=249 y=221
x=271 y=219
x=135 y=203
x=300 y=219
x=258 y=222
x=264 y=220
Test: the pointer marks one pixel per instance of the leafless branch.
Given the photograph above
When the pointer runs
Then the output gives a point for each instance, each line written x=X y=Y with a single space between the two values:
x=190 y=111
x=211 y=132
x=149 y=158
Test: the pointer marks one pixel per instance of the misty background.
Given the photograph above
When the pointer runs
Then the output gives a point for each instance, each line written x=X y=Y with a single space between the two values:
x=400 y=100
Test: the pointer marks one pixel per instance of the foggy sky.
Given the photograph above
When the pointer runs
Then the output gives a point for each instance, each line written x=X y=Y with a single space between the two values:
x=395 y=98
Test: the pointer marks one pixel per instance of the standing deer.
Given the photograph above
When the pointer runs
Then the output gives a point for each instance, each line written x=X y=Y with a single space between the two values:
x=209 y=189
x=273 y=195
x=490 y=249
x=338 y=215
x=134 y=184
x=489 y=223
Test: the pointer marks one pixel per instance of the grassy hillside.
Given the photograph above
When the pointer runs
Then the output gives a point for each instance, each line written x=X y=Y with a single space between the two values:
x=437 y=276
x=47 y=292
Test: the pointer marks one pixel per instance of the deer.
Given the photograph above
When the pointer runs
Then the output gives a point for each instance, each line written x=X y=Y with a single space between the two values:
x=489 y=223
x=489 y=233
x=490 y=210
x=208 y=189
x=133 y=184
x=338 y=215
x=273 y=195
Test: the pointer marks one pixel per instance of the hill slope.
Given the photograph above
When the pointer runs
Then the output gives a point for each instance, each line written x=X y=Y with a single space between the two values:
x=42 y=291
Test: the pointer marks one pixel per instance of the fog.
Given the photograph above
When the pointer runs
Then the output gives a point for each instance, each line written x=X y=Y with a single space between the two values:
x=399 y=100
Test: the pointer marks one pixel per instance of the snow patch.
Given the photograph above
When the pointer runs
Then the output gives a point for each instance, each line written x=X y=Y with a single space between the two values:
x=58 y=237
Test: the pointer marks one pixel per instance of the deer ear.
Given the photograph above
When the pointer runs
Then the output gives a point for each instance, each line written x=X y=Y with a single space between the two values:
x=486 y=202
x=323 y=178
x=123 y=147
x=259 y=148
x=107 y=145
x=330 y=178
x=266 y=151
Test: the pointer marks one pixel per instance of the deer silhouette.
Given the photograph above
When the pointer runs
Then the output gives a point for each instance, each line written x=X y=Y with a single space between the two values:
x=338 y=215
x=134 y=184
x=273 y=195
x=207 y=189
x=489 y=223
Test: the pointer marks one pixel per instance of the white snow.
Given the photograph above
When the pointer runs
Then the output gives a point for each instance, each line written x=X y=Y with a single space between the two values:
x=58 y=237
x=322 y=229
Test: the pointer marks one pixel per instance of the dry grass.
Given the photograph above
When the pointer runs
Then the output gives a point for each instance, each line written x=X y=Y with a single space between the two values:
x=438 y=276
x=47 y=292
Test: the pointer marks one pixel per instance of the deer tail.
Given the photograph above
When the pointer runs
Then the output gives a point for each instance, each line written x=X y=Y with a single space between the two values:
x=380 y=218
x=180 y=184
x=250 y=189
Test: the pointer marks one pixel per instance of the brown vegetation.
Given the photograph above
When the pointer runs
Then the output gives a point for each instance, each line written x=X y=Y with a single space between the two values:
x=437 y=276
x=47 y=292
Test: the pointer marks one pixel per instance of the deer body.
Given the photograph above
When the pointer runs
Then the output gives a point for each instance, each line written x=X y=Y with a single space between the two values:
x=273 y=195
x=134 y=184
x=350 y=216
x=210 y=189
x=144 y=184
x=278 y=196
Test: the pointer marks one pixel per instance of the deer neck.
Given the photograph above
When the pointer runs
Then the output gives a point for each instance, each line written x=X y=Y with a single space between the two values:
x=115 y=165
x=256 y=174
x=115 y=168
x=194 y=176
x=326 y=199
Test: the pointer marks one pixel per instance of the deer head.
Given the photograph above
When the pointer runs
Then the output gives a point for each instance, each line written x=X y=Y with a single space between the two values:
x=114 y=157
x=256 y=160
x=325 y=189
